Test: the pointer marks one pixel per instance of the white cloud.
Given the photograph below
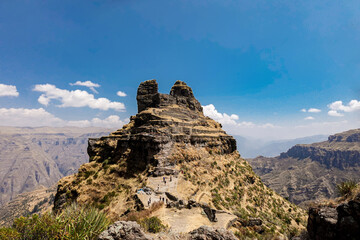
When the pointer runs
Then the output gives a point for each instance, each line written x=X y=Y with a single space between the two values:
x=22 y=117
x=112 y=121
x=121 y=94
x=28 y=117
x=88 y=84
x=269 y=131
x=223 y=118
x=8 y=90
x=314 y=110
x=338 y=106
x=311 y=110
x=76 y=98
x=334 y=113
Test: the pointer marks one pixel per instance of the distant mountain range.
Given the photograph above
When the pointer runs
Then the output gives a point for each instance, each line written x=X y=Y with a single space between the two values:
x=34 y=157
x=312 y=171
x=251 y=148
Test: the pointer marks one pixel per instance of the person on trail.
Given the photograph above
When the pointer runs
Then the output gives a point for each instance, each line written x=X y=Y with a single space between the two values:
x=164 y=179
x=170 y=178
x=158 y=188
x=149 y=202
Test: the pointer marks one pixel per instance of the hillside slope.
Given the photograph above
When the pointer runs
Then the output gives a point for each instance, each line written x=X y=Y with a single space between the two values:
x=171 y=153
x=311 y=171
x=34 y=157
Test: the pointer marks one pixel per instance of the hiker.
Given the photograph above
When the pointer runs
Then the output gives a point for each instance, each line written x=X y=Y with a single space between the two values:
x=170 y=178
x=164 y=179
x=149 y=202
x=158 y=188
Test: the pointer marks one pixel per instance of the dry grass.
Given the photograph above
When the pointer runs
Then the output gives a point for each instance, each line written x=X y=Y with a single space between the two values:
x=137 y=216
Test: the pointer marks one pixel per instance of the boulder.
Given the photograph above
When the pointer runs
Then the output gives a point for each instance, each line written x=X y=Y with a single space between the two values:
x=123 y=230
x=209 y=233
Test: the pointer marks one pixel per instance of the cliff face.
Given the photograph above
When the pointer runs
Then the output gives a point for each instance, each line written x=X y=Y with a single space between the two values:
x=171 y=153
x=311 y=171
x=34 y=157
x=335 y=221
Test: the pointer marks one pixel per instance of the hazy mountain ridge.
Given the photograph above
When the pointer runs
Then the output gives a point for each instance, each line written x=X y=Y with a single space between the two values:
x=251 y=148
x=311 y=171
x=34 y=157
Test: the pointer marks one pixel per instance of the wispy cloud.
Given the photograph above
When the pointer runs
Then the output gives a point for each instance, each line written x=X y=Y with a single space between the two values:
x=88 y=84
x=309 y=118
x=76 y=98
x=38 y=117
x=311 y=110
x=8 y=90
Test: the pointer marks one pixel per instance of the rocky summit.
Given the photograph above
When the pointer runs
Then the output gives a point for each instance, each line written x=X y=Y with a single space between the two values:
x=173 y=166
x=164 y=121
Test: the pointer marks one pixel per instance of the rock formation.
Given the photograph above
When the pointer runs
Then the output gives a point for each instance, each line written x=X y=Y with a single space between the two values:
x=123 y=231
x=172 y=162
x=338 y=222
x=312 y=171
x=162 y=122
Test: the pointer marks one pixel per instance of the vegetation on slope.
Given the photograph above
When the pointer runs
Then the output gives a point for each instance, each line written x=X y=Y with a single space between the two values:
x=73 y=222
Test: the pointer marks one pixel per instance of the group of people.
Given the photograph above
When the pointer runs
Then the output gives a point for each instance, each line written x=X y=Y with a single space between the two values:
x=164 y=179
x=161 y=199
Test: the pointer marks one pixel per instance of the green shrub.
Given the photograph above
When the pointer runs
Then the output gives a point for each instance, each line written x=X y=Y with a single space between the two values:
x=152 y=224
x=9 y=234
x=346 y=188
x=83 y=223
x=73 y=223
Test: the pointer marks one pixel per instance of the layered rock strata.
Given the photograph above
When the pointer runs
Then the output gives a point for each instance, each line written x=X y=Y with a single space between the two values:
x=163 y=121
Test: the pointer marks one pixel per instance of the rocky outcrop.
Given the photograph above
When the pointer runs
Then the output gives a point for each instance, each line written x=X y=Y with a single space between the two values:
x=209 y=233
x=312 y=171
x=163 y=120
x=341 y=222
x=122 y=230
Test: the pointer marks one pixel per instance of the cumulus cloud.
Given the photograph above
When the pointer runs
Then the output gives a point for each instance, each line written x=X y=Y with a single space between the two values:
x=311 y=110
x=76 y=98
x=88 y=84
x=334 y=113
x=121 y=94
x=309 y=118
x=28 y=117
x=112 y=121
x=338 y=106
x=223 y=118
x=8 y=90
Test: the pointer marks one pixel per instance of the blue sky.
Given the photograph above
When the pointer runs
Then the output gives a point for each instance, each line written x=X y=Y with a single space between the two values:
x=259 y=63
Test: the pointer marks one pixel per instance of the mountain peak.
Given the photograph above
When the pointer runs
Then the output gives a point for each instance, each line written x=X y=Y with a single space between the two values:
x=180 y=94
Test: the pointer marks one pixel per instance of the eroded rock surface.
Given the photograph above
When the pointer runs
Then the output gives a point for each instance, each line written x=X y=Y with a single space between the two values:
x=341 y=222
x=209 y=233
x=163 y=120
x=123 y=230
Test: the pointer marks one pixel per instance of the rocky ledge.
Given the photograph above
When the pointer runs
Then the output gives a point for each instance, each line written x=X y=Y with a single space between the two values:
x=163 y=121
x=335 y=222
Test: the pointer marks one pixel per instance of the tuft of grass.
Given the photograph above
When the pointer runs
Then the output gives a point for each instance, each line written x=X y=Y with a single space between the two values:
x=74 y=222
x=152 y=224
x=346 y=188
